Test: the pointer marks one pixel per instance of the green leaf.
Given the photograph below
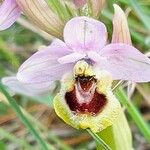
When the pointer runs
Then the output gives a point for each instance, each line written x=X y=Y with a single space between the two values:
x=134 y=113
x=117 y=136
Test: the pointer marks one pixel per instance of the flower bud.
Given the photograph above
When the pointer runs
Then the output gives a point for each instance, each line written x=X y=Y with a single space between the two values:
x=42 y=16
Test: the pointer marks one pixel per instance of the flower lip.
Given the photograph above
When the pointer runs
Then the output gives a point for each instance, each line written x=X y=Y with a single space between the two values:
x=84 y=99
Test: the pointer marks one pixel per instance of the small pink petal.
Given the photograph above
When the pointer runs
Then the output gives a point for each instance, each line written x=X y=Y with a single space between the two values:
x=79 y=3
x=9 y=13
x=121 y=32
x=71 y=58
x=125 y=62
x=83 y=33
x=43 y=68
x=26 y=89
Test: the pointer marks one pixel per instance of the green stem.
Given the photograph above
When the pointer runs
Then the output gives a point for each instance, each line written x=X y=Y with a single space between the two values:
x=99 y=140
x=134 y=113
x=26 y=122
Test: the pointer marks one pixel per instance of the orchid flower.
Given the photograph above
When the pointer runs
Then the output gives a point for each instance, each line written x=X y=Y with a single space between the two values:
x=37 y=11
x=86 y=66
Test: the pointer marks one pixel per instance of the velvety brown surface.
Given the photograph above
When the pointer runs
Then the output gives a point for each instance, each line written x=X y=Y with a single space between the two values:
x=94 y=106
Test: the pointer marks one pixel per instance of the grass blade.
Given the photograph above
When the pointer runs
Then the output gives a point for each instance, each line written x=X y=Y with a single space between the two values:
x=25 y=121
x=144 y=18
x=99 y=140
x=59 y=8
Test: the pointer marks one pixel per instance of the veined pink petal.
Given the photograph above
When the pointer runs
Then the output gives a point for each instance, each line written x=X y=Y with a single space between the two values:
x=79 y=3
x=83 y=33
x=43 y=67
x=121 y=32
x=71 y=58
x=9 y=12
x=125 y=62
x=50 y=54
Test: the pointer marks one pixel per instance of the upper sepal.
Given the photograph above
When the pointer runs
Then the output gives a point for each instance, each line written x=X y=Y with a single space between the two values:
x=83 y=34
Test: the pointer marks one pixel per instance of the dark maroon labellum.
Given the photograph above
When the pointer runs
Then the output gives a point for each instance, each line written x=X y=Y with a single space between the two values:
x=84 y=98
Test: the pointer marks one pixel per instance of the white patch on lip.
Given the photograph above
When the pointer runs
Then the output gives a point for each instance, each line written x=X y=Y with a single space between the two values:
x=82 y=96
